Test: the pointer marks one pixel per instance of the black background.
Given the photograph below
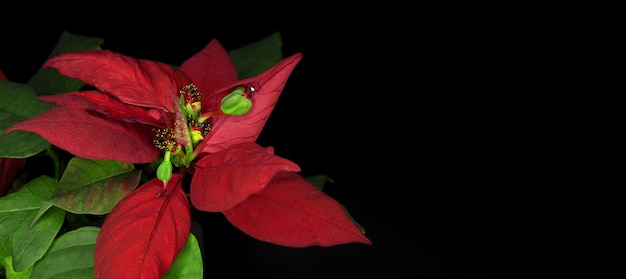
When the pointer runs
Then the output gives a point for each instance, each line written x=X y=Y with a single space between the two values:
x=469 y=138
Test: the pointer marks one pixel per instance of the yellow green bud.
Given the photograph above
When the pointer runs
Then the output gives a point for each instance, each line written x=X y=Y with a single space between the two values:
x=236 y=103
x=164 y=171
x=196 y=136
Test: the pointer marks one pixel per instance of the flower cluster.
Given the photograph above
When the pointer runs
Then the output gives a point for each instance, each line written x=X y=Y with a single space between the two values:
x=143 y=118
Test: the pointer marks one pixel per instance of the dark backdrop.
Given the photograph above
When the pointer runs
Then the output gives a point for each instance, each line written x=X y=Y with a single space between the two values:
x=468 y=138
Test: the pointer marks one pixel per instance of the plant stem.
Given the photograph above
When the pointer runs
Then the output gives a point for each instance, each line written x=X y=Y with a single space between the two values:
x=55 y=161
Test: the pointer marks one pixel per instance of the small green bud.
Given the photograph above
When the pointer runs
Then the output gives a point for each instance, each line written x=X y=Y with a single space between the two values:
x=236 y=103
x=164 y=171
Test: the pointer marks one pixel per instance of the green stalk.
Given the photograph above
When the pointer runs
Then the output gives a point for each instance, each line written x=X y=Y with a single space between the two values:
x=54 y=157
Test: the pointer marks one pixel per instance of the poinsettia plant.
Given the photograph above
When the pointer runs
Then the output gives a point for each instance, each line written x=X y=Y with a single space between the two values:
x=133 y=146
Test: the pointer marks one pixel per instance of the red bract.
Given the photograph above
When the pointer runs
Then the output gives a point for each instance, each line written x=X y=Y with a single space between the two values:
x=142 y=236
x=292 y=212
x=225 y=179
x=142 y=106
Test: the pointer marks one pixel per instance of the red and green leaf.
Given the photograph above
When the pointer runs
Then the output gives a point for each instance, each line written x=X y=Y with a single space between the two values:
x=144 y=233
x=292 y=212
x=94 y=186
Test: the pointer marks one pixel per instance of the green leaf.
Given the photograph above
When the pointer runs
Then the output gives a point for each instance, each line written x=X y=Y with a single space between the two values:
x=17 y=239
x=42 y=210
x=19 y=102
x=319 y=180
x=70 y=256
x=188 y=264
x=69 y=42
x=252 y=59
x=94 y=186
x=7 y=262
x=48 y=81
x=361 y=228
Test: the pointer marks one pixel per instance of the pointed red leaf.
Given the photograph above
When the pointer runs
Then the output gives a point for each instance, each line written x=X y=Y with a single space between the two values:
x=90 y=136
x=9 y=167
x=211 y=69
x=2 y=75
x=224 y=179
x=144 y=233
x=292 y=212
x=138 y=82
x=231 y=130
x=108 y=106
